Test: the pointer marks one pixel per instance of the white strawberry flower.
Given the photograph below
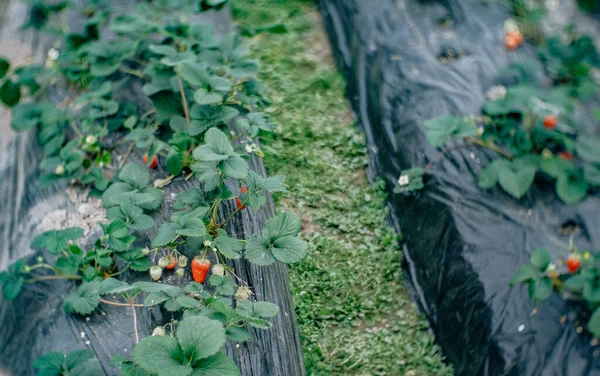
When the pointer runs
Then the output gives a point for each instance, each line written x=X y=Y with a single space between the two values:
x=207 y=243
x=248 y=148
x=53 y=54
x=404 y=180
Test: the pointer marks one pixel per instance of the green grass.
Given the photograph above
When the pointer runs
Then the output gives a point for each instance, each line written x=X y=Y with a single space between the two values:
x=353 y=310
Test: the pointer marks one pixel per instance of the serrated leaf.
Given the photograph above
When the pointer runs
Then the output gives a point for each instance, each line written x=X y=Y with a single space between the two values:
x=174 y=162
x=525 y=274
x=540 y=289
x=166 y=233
x=216 y=365
x=541 y=258
x=161 y=356
x=515 y=181
x=588 y=148
x=85 y=300
x=200 y=337
x=571 y=188
x=593 y=324
x=135 y=174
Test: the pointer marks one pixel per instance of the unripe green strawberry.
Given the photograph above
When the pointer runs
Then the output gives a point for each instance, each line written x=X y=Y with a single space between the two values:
x=183 y=261
x=60 y=170
x=179 y=272
x=243 y=293
x=156 y=272
x=163 y=262
x=219 y=269
x=159 y=331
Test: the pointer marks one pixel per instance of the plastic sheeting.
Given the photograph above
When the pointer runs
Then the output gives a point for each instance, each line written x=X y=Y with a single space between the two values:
x=408 y=61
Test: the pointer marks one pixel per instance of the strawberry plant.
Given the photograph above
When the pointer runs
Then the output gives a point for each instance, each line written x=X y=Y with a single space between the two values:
x=199 y=120
x=532 y=131
x=575 y=277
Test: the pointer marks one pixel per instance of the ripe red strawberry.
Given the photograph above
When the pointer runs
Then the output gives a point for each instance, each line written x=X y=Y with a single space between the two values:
x=154 y=161
x=573 y=262
x=566 y=155
x=200 y=268
x=172 y=262
x=550 y=121
x=238 y=204
x=244 y=189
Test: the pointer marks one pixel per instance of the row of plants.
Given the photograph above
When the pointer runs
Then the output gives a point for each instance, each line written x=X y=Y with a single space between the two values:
x=535 y=132
x=195 y=86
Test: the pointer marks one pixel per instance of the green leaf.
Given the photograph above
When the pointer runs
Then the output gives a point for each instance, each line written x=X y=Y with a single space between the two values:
x=193 y=73
x=207 y=174
x=257 y=186
x=284 y=224
x=227 y=246
x=10 y=93
x=525 y=274
x=258 y=252
x=4 y=67
x=85 y=300
x=166 y=233
x=571 y=188
x=556 y=167
x=575 y=282
x=224 y=285
x=237 y=334
x=594 y=323
x=78 y=357
x=541 y=258
x=50 y=362
x=540 y=289
x=203 y=96
x=515 y=180
x=289 y=249
x=245 y=308
x=175 y=162
x=265 y=309
x=592 y=175
x=256 y=122
x=135 y=174
x=56 y=241
x=440 y=129
x=216 y=365
x=161 y=356
x=200 y=337
x=588 y=148
x=489 y=176
x=11 y=285
x=114 y=286
x=187 y=302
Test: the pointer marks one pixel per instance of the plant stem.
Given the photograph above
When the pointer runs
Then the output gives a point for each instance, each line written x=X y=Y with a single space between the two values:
x=50 y=277
x=491 y=146
x=120 y=271
x=133 y=72
x=137 y=336
x=126 y=155
x=183 y=100
x=117 y=304
x=75 y=129
x=231 y=216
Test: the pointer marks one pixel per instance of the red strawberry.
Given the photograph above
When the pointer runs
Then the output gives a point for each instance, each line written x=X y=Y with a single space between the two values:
x=154 y=161
x=172 y=262
x=550 y=121
x=573 y=262
x=566 y=155
x=238 y=204
x=200 y=268
x=244 y=189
